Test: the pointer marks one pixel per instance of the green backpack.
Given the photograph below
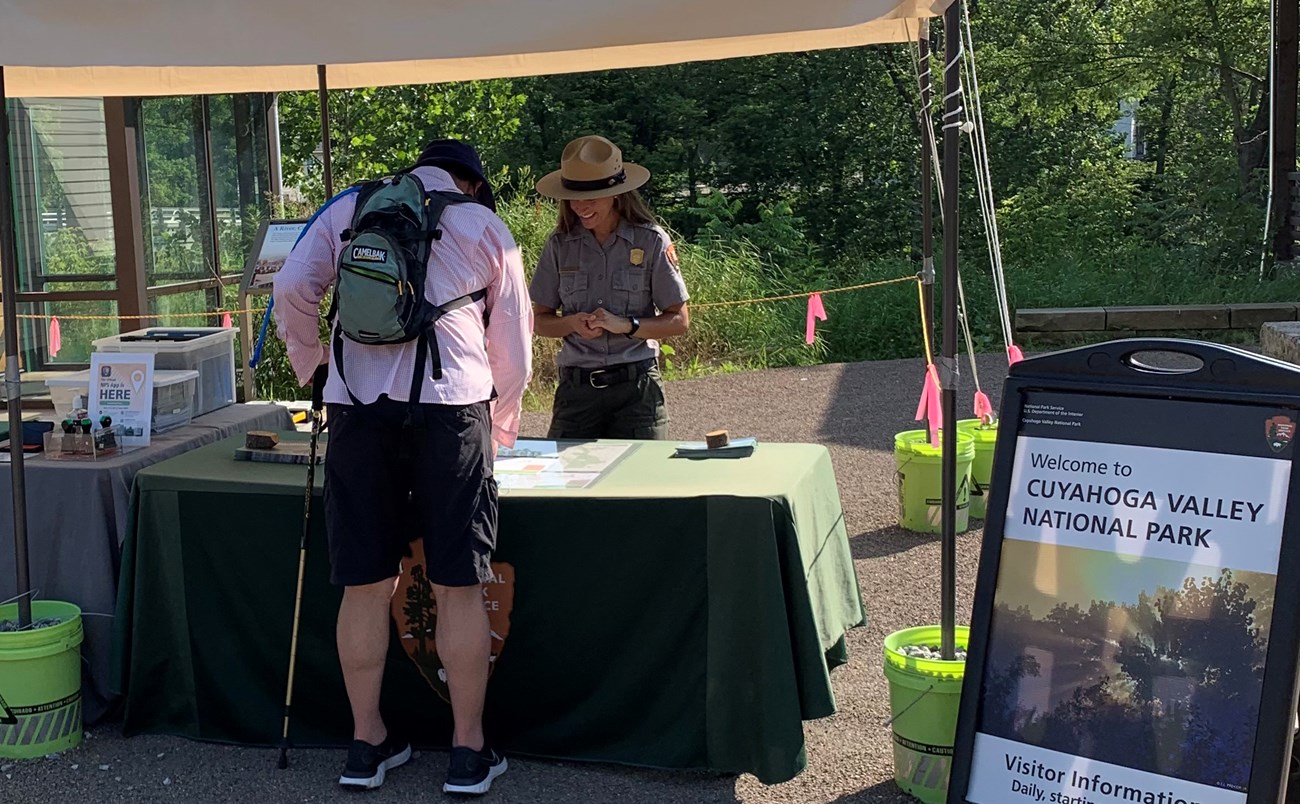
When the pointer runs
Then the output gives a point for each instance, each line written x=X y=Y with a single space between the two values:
x=379 y=296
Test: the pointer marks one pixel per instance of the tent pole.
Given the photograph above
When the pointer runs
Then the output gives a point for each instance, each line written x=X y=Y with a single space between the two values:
x=323 y=91
x=927 y=179
x=952 y=118
x=13 y=384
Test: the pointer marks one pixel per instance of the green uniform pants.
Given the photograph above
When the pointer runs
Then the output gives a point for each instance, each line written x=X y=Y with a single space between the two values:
x=631 y=409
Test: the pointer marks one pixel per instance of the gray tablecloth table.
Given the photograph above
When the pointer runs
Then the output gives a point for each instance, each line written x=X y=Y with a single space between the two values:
x=77 y=520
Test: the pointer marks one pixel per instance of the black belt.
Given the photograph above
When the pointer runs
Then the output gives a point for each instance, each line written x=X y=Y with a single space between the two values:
x=610 y=375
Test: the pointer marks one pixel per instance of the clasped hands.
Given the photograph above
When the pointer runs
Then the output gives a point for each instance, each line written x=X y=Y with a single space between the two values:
x=593 y=325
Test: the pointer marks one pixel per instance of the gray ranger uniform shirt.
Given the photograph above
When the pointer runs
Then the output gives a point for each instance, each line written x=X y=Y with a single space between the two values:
x=634 y=274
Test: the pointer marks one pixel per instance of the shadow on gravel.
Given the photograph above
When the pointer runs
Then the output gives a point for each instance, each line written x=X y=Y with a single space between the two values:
x=887 y=542
x=870 y=404
x=883 y=792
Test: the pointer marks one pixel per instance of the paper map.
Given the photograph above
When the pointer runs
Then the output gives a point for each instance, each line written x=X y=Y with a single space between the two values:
x=556 y=464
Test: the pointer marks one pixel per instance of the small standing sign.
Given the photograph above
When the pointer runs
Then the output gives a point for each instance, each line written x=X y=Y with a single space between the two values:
x=121 y=387
x=272 y=246
x=1130 y=641
x=275 y=239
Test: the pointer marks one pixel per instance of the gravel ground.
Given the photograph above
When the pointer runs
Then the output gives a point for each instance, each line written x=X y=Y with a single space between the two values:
x=854 y=409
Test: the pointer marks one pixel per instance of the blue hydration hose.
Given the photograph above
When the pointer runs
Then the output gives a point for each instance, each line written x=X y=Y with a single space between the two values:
x=266 y=320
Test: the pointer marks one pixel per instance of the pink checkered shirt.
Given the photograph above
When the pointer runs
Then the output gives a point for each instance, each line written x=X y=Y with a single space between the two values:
x=476 y=251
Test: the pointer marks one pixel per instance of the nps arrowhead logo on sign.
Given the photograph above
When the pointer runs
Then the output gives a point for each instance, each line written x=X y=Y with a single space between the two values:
x=415 y=613
x=1279 y=431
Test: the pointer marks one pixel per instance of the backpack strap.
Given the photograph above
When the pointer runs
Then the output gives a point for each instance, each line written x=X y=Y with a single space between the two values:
x=436 y=202
x=338 y=365
x=426 y=348
x=363 y=190
x=431 y=338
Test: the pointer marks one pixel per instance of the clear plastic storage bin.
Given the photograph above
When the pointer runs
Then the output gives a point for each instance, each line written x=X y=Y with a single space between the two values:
x=173 y=396
x=208 y=350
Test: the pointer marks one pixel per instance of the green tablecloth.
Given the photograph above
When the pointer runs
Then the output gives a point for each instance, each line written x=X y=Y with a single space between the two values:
x=678 y=614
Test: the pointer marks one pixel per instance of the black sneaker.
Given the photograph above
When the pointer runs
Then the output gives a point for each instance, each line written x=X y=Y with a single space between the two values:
x=368 y=763
x=471 y=772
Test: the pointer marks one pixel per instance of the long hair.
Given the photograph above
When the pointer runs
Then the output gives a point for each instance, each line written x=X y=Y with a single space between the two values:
x=630 y=206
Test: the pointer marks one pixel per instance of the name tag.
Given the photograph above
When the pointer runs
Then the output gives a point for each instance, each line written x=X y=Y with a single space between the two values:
x=569 y=270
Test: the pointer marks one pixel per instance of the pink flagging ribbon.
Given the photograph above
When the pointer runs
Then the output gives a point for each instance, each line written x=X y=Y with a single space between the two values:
x=929 y=407
x=225 y=321
x=815 y=311
x=56 y=338
x=1014 y=355
x=983 y=407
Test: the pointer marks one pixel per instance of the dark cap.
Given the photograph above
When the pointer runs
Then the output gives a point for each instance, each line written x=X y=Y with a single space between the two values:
x=458 y=159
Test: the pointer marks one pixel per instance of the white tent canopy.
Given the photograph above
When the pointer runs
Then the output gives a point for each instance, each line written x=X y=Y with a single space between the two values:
x=71 y=48
x=116 y=48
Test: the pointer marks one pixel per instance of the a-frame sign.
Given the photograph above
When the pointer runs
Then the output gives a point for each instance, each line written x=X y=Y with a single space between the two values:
x=1134 y=632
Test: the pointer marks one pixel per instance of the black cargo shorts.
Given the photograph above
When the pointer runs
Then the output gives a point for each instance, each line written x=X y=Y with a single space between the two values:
x=390 y=479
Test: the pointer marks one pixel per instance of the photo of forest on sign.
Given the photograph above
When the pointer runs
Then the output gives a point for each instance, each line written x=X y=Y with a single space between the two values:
x=1151 y=664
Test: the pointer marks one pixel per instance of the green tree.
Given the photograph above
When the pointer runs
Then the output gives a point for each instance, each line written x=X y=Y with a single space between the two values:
x=379 y=130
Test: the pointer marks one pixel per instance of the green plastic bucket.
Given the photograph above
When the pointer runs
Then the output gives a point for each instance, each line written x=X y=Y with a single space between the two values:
x=981 y=469
x=40 y=682
x=920 y=481
x=924 y=696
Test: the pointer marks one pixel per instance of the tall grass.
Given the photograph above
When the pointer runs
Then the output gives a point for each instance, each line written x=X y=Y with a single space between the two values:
x=868 y=324
x=720 y=338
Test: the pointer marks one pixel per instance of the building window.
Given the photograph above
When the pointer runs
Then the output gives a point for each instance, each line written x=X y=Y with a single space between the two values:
x=63 y=222
x=204 y=178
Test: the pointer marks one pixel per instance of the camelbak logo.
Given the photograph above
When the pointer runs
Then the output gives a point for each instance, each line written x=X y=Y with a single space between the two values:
x=369 y=254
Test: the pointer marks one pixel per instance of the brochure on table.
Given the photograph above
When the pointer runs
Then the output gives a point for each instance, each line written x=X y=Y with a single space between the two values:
x=121 y=387
x=546 y=465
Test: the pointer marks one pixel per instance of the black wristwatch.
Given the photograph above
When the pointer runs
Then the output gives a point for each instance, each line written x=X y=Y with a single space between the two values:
x=636 y=324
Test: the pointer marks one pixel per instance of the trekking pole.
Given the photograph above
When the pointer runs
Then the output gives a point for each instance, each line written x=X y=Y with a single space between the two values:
x=317 y=402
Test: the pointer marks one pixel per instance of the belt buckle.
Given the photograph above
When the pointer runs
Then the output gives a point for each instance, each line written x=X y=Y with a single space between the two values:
x=591 y=378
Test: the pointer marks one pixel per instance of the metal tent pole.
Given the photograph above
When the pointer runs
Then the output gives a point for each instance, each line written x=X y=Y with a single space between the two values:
x=927 y=179
x=952 y=119
x=323 y=91
x=327 y=161
x=13 y=383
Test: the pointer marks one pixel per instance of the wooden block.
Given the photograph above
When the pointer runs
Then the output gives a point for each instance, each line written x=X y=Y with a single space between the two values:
x=1254 y=316
x=1061 y=319
x=289 y=452
x=261 y=439
x=1160 y=317
x=716 y=439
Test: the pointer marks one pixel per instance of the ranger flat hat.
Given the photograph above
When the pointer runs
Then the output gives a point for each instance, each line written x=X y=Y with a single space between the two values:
x=592 y=167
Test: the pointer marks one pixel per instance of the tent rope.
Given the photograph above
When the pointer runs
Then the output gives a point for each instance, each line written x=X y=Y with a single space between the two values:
x=1272 y=100
x=982 y=171
x=926 y=120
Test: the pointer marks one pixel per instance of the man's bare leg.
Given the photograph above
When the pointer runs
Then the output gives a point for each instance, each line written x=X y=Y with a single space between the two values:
x=464 y=647
x=362 y=635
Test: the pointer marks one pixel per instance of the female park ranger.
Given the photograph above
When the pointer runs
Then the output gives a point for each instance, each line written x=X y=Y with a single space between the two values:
x=608 y=283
